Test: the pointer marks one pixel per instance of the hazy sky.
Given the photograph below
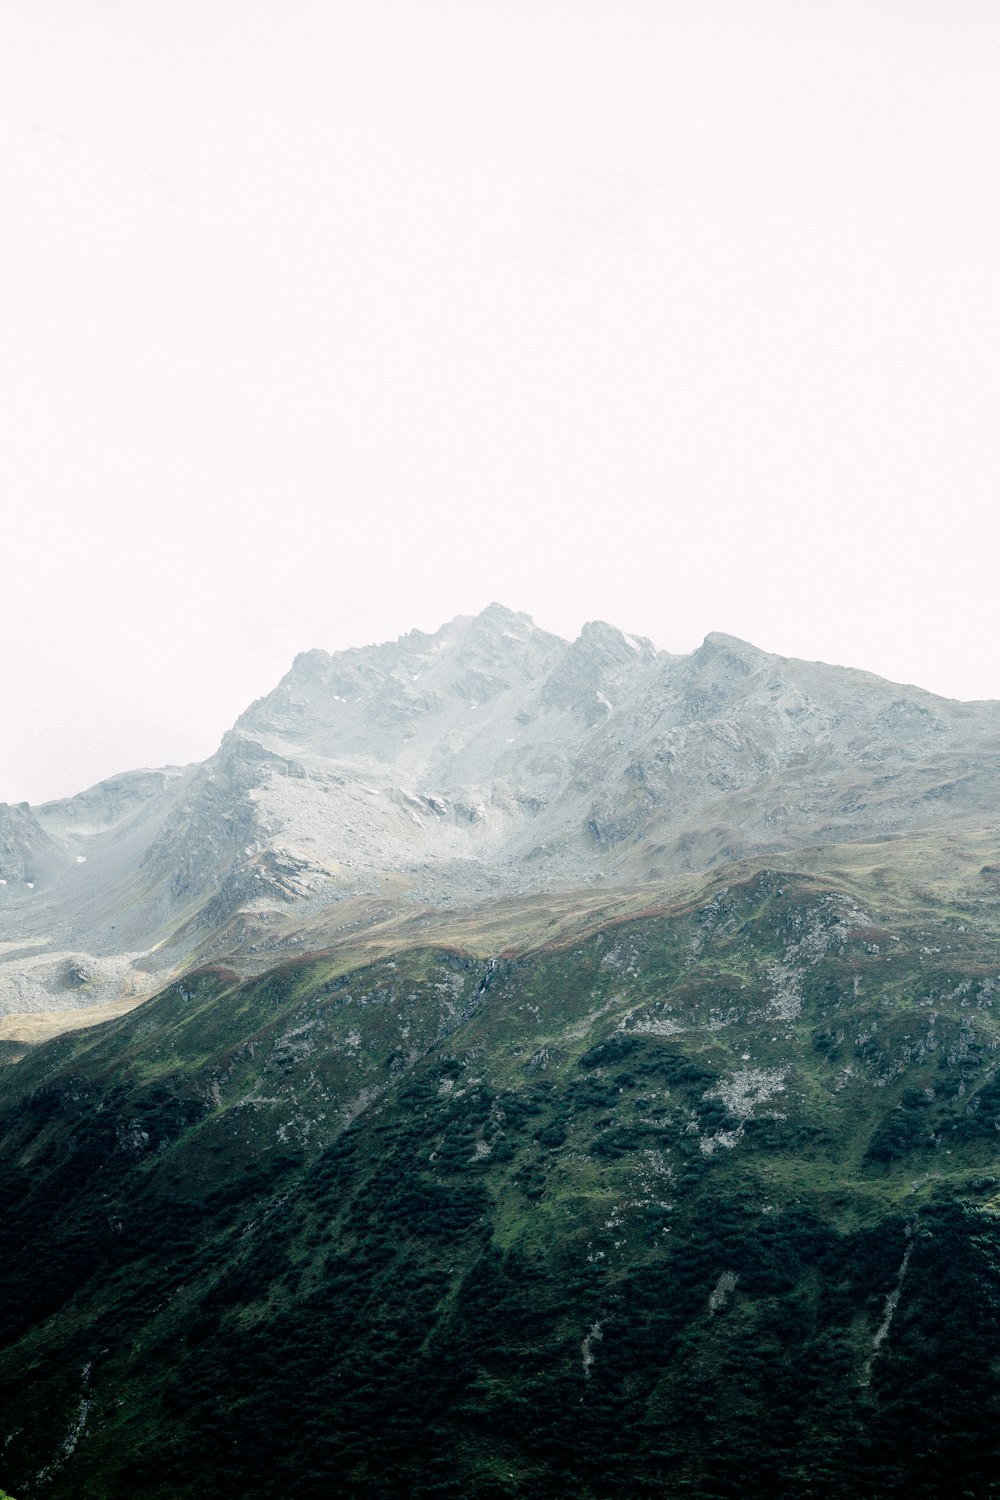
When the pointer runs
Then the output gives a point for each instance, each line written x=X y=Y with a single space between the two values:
x=319 y=321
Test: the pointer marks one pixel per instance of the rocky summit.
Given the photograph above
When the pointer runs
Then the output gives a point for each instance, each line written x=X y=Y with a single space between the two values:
x=512 y=1067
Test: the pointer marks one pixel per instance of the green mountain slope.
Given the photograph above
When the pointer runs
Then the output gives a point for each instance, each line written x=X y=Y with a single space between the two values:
x=704 y=1201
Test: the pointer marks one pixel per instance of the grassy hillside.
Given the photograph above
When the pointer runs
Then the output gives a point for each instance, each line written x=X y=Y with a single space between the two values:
x=699 y=1202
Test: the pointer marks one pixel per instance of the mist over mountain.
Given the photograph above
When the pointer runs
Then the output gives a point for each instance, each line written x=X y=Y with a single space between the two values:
x=486 y=761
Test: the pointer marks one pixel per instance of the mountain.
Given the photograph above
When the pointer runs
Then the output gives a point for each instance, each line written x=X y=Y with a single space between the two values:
x=488 y=762
x=563 y=1069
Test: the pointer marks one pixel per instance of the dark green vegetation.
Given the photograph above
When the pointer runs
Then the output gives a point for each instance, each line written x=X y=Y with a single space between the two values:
x=705 y=1203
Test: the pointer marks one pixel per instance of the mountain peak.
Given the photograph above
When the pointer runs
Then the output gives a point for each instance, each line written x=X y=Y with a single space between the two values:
x=498 y=623
x=499 y=614
x=727 y=654
x=609 y=638
x=718 y=640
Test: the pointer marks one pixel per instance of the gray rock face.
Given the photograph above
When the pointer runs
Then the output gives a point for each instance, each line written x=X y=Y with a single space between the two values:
x=488 y=759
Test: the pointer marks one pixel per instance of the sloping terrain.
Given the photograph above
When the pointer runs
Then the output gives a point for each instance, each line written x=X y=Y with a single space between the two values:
x=701 y=1200
x=485 y=762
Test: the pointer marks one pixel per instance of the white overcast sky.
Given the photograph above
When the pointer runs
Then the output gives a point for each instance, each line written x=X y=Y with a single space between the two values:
x=320 y=321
